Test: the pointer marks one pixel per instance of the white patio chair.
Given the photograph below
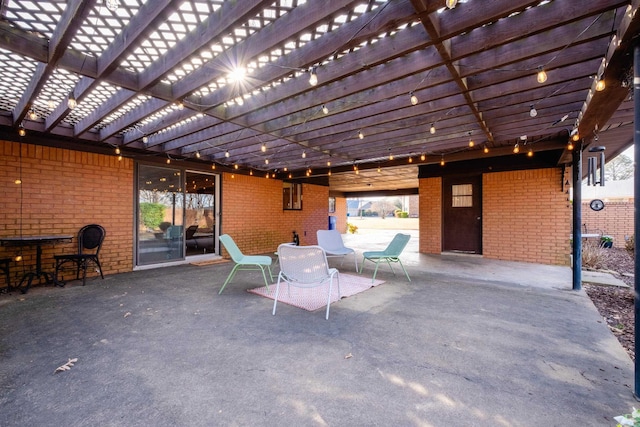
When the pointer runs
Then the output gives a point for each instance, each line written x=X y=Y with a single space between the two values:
x=331 y=242
x=305 y=267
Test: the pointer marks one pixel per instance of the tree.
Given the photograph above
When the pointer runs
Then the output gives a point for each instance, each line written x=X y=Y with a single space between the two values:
x=619 y=168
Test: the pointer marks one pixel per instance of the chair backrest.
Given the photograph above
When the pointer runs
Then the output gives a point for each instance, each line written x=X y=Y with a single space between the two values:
x=190 y=231
x=303 y=264
x=232 y=248
x=397 y=245
x=90 y=238
x=330 y=240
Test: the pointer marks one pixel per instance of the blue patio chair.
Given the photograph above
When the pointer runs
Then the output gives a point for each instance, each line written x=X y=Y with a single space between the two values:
x=390 y=254
x=244 y=262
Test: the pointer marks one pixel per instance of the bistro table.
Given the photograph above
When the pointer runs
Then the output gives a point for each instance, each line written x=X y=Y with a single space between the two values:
x=38 y=241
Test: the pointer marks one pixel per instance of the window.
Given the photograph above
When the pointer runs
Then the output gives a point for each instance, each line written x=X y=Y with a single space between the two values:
x=291 y=195
x=332 y=204
x=462 y=196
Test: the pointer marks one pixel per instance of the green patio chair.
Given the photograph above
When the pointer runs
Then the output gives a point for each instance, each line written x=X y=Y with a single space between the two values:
x=244 y=262
x=390 y=254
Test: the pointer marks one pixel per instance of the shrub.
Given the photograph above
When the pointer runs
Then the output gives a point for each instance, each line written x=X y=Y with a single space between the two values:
x=630 y=244
x=351 y=228
x=592 y=255
x=152 y=214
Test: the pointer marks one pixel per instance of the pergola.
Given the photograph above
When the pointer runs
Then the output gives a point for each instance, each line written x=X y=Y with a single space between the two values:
x=323 y=88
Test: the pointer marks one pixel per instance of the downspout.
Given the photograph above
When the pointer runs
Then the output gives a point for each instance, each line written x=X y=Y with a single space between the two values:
x=576 y=155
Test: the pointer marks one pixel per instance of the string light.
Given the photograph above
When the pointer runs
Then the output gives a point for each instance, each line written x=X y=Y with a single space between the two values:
x=575 y=137
x=486 y=149
x=325 y=109
x=516 y=148
x=413 y=98
x=313 y=76
x=34 y=116
x=22 y=131
x=600 y=85
x=50 y=104
x=442 y=161
x=471 y=143
x=390 y=156
x=266 y=161
x=119 y=157
x=235 y=166
x=451 y=3
x=570 y=146
x=213 y=166
x=112 y=5
x=304 y=154
x=226 y=154
x=263 y=148
x=168 y=161
x=117 y=150
x=145 y=139
x=379 y=169
x=530 y=152
x=360 y=134
x=541 y=76
x=197 y=154
x=410 y=160
x=423 y=157
x=533 y=112
x=328 y=162
x=251 y=172
x=71 y=102
x=432 y=130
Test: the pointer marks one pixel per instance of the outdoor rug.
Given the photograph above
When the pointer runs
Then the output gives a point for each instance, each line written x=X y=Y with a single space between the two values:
x=315 y=298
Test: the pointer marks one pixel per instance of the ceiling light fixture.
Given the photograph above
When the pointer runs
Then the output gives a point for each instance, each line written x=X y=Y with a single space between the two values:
x=533 y=112
x=313 y=76
x=413 y=98
x=541 y=76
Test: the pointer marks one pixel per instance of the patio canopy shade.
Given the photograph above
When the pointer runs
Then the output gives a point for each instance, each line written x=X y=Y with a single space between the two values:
x=398 y=83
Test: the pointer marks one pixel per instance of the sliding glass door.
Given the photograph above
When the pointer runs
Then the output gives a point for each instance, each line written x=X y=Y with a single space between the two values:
x=176 y=214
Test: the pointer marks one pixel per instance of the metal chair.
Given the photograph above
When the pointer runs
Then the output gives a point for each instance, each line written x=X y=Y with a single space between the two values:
x=305 y=267
x=90 y=238
x=390 y=254
x=244 y=262
x=4 y=266
x=331 y=242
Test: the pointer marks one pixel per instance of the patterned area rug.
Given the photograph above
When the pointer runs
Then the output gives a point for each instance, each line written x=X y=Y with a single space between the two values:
x=315 y=298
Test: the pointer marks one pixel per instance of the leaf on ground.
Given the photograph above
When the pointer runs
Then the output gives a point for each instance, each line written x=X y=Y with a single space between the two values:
x=67 y=366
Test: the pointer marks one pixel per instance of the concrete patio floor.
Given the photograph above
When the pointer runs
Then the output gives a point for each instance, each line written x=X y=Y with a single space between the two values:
x=468 y=342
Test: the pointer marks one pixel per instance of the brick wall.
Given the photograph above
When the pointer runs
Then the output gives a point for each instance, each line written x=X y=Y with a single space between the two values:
x=62 y=190
x=616 y=219
x=526 y=217
x=252 y=213
x=430 y=213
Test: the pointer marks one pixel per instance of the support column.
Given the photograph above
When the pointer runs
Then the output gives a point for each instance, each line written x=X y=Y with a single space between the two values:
x=576 y=178
x=636 y=207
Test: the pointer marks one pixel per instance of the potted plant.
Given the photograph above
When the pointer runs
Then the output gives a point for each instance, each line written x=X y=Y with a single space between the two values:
x=606 y=241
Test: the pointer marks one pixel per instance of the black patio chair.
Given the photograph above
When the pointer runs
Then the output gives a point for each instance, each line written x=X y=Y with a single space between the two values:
x=4 y=267
x=90 y=238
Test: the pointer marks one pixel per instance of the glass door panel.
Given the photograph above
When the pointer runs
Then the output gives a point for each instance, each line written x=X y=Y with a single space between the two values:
x=200 y=213
x=160 y=233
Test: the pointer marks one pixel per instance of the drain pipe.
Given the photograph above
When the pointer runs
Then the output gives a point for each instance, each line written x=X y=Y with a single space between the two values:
x=636 y=207
x=576 y=156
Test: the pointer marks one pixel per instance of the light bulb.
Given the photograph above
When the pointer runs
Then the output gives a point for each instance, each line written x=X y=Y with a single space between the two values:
x=72 y=103
x=197 y=154
x=570 y=146
x=390 y=156
x=600 y=85
x=533 y=112
x=432 y=130
x=379 y=169
x=119 y=158
x=410 y=160
x=263 y=148
x=50 y=104
x=213 y=167
x=516 y=148
x=22 y=131
x=18 y=181
x=34 y=116
x=414 y=99
x=575 y=137
x=423 y=157
x=313 y=77
x=530 y=153
x=471 y=143
x=266 y=161
x=328 y=163
x=541 y=76
x=145 y=139
x=442 y=161
x=180 y=105
x=236 y=166
x=112 y=5
x=360 y=134
x=117 y=150
x=486 y=149
x=325 y=109
x=304 y=154
x=168 y=161
x=18 y=258
x=226 y=154
x=451 y=3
